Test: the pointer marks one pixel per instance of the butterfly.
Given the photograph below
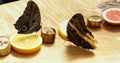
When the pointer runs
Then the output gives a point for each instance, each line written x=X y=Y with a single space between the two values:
x=30 y=20
x=78 y=33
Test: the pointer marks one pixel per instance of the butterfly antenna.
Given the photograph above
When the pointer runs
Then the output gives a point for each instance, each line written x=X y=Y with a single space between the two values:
x=36 y=34
x=64 y=41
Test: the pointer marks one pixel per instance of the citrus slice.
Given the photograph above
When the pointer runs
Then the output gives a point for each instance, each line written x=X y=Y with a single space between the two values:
x=26 y=43
x=62 y=30
x=112 y=16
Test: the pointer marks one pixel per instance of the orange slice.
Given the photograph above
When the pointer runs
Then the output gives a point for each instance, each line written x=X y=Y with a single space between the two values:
x=62 y=30
x=26 y=43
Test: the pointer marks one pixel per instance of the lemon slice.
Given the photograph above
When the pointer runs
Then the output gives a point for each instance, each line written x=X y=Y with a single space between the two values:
x=26 y=43
x=62 y=30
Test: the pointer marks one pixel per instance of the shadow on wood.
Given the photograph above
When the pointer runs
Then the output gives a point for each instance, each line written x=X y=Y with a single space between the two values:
x=111 y=28
x=74 y=52
x=18 y=55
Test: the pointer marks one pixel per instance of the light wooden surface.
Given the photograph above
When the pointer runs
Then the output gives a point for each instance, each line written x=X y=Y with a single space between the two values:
x=53 y=12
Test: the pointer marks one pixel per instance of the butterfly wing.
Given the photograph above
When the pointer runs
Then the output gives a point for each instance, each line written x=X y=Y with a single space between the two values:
x=30 y=20
x=78 y=33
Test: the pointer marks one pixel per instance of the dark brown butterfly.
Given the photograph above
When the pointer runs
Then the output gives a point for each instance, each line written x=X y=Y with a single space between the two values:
x=79 y=34
x=30 y=20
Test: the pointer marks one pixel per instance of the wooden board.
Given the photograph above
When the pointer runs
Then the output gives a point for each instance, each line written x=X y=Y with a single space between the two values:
x=53 y=12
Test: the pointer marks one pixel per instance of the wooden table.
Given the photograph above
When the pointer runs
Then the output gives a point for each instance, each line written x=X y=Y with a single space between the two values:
x=54 y=12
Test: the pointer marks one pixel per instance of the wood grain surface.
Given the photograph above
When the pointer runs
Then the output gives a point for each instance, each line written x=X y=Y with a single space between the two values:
x=53 y=12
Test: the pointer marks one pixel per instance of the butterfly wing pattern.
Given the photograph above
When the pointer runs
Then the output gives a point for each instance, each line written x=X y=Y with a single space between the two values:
x=30 y=21
x=79 y=34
